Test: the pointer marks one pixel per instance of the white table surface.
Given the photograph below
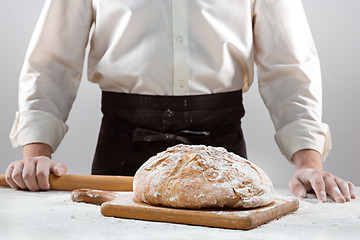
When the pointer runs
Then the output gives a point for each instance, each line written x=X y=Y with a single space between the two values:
x=52 y=215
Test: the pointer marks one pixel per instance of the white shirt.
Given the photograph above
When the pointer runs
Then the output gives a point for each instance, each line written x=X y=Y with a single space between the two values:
x=174 y=47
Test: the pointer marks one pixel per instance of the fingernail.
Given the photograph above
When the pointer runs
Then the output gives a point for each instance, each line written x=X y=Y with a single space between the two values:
x=340 y=198
x=301 y=194
x=323 y=196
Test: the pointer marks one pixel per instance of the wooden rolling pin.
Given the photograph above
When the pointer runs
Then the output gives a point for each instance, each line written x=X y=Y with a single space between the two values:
x=71 y=182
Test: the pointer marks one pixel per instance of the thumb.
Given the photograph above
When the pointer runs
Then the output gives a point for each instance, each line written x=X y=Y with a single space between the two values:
x=297 y=187
x=59 y=169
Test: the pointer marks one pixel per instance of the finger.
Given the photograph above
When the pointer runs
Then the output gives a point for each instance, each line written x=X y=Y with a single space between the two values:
x=42 y=173
x=59 y=169
x=297 y=187
x=29 y=174
x=344 y=188
x=317 y=183
x=352 y=190
x=303 y=178
x=333 y=190
x=17 y=174
x=8 y=177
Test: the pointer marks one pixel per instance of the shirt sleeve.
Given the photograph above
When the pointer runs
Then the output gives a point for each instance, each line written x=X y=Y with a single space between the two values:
x=51 y=73
x=289 y=76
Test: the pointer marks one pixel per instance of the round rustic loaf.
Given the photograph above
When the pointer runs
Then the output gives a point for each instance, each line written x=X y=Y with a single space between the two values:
x=198 y=176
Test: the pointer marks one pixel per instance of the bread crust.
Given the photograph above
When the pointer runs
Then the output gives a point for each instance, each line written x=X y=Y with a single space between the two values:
x=198 y=176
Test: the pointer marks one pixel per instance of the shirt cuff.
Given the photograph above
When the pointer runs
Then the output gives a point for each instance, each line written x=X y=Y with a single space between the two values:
x=34 y=126
x=304 y=134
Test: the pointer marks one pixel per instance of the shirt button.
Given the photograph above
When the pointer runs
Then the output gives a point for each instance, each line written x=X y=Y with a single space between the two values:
x=179 y=39
x=182 y=83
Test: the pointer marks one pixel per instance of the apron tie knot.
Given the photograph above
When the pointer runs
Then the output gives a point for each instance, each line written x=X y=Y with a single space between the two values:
x=185 y=136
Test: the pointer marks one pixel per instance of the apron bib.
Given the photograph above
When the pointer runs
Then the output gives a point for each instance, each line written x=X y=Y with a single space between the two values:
x=135 y=127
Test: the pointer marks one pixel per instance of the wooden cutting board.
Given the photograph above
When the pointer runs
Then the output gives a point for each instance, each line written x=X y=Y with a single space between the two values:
x=124 y=205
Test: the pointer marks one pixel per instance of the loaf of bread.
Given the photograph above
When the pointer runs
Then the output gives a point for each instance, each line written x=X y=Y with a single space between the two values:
x=198 y=176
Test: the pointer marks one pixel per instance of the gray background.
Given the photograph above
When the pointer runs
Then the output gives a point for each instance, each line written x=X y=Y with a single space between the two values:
x=336 y=30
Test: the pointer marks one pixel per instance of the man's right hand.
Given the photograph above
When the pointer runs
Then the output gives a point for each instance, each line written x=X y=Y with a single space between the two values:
x=32 y=172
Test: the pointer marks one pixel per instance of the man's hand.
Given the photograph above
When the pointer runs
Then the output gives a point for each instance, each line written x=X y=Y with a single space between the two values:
x=309 y=175
x=32 y=172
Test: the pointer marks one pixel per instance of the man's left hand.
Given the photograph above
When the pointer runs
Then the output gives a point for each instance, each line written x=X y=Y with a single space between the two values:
x=309 y=175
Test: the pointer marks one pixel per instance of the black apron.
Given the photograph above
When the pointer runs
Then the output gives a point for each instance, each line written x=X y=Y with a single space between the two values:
x=135 y=127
